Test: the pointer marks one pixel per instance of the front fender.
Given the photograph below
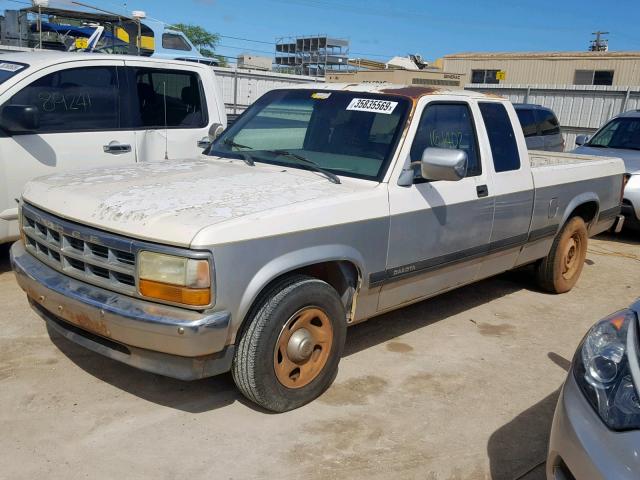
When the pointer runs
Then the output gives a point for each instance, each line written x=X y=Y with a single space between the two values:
x=294 y=260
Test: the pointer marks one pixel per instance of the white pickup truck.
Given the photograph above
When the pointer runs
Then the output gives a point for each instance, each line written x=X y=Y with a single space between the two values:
x=319 y=208
x=69 y=111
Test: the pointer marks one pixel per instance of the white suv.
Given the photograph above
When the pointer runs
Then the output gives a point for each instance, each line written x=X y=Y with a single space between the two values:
x=69 y=111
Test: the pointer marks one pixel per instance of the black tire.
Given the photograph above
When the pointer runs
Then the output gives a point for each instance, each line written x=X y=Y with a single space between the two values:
x=254 y=365
x=552 y=272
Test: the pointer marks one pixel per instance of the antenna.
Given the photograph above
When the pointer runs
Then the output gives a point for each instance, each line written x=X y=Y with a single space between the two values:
x=166 y=129
x=599 y=44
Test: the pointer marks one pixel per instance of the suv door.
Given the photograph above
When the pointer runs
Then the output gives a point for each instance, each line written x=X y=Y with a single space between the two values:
x=439 y=230
x=80 y=127
x=171 y=111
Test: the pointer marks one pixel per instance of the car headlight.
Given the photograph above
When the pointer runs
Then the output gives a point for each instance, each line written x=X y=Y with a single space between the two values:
x=603 y=370
x=174 y=279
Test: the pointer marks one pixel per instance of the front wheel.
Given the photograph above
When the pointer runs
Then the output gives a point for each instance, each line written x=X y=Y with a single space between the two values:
x=290 y=350
x=559 y=271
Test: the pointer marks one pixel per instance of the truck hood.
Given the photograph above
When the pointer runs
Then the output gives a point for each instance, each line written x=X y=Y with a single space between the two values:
x=631 y=158
x=170 y=202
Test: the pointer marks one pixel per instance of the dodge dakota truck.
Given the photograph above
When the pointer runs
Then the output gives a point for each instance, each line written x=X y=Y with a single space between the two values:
x=319 y=208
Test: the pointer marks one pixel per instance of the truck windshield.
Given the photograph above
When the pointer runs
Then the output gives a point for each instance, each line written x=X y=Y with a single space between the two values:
x=346 y=133
x=9 y=69
x=621 y=133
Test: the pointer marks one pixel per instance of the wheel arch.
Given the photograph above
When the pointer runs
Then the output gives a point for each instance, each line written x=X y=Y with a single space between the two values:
x=585 y=205
x=340 y=266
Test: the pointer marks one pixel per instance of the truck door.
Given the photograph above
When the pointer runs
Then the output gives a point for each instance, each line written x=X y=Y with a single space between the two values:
x=172 y=114
x=80 y=127
x=439 y=230
x=511 y=183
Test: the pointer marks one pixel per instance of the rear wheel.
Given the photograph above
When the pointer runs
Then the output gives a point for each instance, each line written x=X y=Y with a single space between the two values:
x=560 y=270
x=290 y=350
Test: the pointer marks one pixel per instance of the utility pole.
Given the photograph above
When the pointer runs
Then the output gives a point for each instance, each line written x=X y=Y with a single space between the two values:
x=599 y=44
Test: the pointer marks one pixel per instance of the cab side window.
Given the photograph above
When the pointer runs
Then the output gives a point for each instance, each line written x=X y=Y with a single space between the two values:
x=448 y=125
x=72 y=100
x=178 y=94
x=502 y=139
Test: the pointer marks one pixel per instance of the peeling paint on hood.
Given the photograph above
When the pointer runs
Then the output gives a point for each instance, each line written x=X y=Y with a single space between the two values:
x=169 y=202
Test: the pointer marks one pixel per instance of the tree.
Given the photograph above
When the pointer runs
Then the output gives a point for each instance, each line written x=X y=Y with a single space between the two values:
x=203 y=40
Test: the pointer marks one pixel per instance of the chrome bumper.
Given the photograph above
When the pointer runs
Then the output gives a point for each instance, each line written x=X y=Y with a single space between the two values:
x=158 y=338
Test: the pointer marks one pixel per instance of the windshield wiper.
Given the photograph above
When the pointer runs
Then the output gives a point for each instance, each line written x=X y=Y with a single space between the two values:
x=313 y=165
x=245 y=156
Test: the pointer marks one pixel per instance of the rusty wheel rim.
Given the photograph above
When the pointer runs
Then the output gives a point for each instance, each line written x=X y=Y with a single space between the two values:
x=572 y=256
x=303 y=347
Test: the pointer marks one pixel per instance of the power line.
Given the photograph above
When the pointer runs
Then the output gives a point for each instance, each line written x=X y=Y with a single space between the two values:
x=247 y=39
x=243 y=48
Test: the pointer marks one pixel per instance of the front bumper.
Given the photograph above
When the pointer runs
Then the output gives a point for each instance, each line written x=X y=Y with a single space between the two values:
x=581 y=446
x=162 y=339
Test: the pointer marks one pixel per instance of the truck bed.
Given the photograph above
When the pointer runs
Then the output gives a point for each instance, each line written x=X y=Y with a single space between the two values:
x=540 y=159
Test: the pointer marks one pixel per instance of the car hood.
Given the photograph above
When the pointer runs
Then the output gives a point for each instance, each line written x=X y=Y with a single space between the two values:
x=631 y=158
x=170 y=202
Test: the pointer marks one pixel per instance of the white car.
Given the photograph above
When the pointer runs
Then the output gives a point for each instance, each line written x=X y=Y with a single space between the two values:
x=62 y=111
x=620 y=137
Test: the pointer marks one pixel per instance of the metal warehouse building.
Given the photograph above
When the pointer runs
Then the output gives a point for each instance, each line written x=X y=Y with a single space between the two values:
x=547 y=68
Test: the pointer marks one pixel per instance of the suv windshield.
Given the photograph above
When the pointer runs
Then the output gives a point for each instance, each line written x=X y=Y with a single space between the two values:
x=347 y=133
x=9 y=69
x=618 y=133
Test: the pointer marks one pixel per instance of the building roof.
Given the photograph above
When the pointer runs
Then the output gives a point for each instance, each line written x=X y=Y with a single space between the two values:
x=543 y=55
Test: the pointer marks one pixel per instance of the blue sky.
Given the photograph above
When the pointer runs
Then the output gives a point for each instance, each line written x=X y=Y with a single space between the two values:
x=379 y=29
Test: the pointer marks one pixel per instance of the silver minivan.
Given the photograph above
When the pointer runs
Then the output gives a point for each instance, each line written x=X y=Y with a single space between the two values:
x=540 y=127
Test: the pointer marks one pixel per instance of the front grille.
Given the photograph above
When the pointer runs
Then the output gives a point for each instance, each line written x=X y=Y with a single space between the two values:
x=81 y=252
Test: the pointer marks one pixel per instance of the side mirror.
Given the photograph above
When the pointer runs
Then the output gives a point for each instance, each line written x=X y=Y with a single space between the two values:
x=443 y=164
x=582 y=139
x=214 y=132
x=20 y=118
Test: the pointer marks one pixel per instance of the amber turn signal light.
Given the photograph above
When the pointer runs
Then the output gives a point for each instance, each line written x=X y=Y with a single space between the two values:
x=197 y=297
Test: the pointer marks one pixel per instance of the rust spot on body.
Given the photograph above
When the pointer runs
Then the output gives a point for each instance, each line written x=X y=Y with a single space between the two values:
x=83 y=321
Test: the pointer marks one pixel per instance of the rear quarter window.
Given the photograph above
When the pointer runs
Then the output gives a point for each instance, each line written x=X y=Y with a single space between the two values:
x=502 y=139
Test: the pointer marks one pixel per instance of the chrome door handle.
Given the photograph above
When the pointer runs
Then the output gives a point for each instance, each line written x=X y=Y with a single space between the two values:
x=116 y=148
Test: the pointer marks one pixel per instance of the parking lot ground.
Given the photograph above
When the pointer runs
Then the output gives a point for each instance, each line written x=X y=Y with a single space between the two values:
x=462 y=386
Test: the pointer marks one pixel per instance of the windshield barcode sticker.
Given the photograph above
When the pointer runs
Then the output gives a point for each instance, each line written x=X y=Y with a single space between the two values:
x=371 y=105
x=10 y=67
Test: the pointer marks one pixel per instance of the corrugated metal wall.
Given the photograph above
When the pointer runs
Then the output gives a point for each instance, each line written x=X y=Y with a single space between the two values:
x=240 y=87
x=537 y=71
x=580 y=109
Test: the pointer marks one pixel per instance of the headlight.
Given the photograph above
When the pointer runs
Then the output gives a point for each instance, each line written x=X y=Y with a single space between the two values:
x=602 y=369
x=174 y=279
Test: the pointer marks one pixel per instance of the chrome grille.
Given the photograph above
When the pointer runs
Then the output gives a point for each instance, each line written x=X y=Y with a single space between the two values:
x=80 y=252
